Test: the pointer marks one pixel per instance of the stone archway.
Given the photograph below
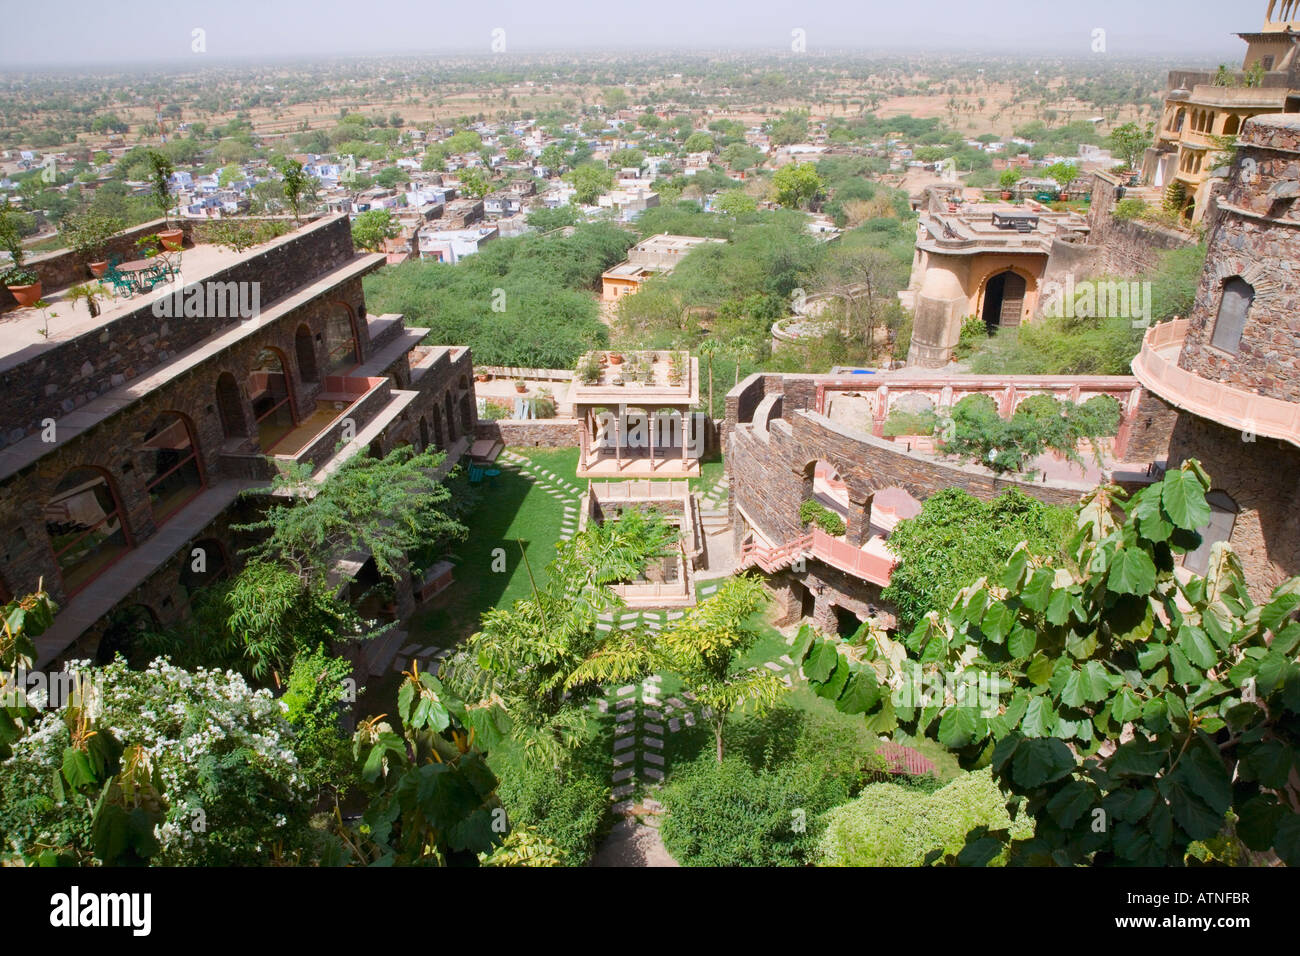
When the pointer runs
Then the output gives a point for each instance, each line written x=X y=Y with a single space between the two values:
x=1003 y=302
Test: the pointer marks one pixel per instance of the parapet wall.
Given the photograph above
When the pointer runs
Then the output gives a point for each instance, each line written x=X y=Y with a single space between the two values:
x=56 y=381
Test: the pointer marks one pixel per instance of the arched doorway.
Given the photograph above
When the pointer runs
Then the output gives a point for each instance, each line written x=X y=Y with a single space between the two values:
x=230 y=408
x=172 y=473
x=341 y=349
x=1223 y=518
x=424 y=433
x=203 y=564
x=450 y=411
x=305 y=349
x=271 y=397
x=1004 y=301
x=437 y=429
x=83 y=518
x=466 y=414
x=122 y=632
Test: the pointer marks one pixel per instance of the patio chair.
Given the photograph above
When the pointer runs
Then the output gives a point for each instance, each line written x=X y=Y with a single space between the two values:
x=122 y=283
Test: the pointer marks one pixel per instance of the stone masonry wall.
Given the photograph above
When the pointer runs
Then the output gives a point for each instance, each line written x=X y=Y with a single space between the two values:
x=770 y=476
x=112 y=444
x=1263 y=478
x=1257 y=238
x=538 y=433
x=56 y=381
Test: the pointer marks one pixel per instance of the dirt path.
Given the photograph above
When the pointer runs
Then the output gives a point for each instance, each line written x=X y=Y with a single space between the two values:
x=633 y=843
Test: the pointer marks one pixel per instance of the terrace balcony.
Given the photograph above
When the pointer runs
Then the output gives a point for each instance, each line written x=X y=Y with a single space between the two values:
x=1156 y=367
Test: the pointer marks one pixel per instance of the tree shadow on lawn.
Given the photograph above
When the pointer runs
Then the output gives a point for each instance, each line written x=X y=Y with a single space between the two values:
x=501 y=520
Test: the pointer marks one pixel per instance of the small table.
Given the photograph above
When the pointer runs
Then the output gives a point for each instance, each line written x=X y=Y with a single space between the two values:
x=136 y=267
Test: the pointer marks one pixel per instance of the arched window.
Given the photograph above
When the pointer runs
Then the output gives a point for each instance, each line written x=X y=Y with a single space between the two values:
x=268 y=388
x=230 y=408
x=1232 y=125
x=450 y=413
x=1234 y=307
x=424 y=433
x=1223 y=517
x=438 y=442
x=1179 y=120
x=84 y=521
x=204 y=563
x=342 y=354
x=173 y=475
x=305 y=348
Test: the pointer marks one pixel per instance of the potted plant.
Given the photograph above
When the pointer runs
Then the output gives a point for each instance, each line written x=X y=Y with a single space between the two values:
x=91 y=294
x=160 y=175
x=521 y=386
x=615 y=358
x=88 y=235
x=24 y=283
x=1008 y=181
x=481 y=376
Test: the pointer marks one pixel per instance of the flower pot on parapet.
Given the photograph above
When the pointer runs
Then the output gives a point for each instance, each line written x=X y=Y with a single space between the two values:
x=172 y=239
x=27 y=295
x=97 y=269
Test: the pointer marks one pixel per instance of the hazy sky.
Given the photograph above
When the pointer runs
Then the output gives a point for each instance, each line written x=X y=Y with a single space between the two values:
x=58 y=32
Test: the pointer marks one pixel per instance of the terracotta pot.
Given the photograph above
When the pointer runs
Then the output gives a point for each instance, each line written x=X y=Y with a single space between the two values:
x=521 y=389
x=1006 y=194
x=616 y=359
x=27 y=295
x=171 y=239
x=97 y=269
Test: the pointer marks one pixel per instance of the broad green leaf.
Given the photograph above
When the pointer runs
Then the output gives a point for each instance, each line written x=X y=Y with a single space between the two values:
x=1183 y=500
x=1040 y=760
x=1132 y=572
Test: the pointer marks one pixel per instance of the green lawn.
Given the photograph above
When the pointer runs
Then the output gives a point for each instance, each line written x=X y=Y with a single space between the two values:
x=512 y=509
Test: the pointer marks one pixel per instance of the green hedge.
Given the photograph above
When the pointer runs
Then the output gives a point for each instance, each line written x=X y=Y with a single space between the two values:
x=890 y=825
x=814 y=512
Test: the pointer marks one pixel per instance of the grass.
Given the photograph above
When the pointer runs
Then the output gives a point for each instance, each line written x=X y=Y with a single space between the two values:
x=513 y=508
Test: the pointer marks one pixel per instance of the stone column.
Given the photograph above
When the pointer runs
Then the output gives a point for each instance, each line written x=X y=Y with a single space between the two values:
x=823 y=617
x=859 y=522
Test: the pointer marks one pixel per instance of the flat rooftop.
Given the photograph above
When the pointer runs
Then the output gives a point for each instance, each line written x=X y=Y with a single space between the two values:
x=21 y=337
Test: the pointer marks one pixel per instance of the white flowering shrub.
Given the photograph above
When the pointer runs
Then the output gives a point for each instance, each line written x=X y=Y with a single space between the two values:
x=223 y=754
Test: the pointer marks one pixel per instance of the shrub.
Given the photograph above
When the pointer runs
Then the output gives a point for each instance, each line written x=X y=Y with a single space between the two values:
x=315 y=699
x=910 y=423
x=814 y=512
x=1129 y=209
x=564 y=806
x=240 y=234
x=222 y=751
x=890 y=825
x=762 y=805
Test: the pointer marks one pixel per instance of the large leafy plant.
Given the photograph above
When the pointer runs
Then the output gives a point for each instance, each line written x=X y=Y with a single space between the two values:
x=1138 y=713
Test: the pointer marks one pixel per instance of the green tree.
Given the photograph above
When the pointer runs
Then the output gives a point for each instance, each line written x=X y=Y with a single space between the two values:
x=702 y=651
x=298 y=186
x=589 y=181
x=474 y=182
x=1063 y=173
x=1129 y=142
x=1139 y=716
x=698 y=142
x=797 y=184
x=372 y=227
x=735 y=202
x=956 y=538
